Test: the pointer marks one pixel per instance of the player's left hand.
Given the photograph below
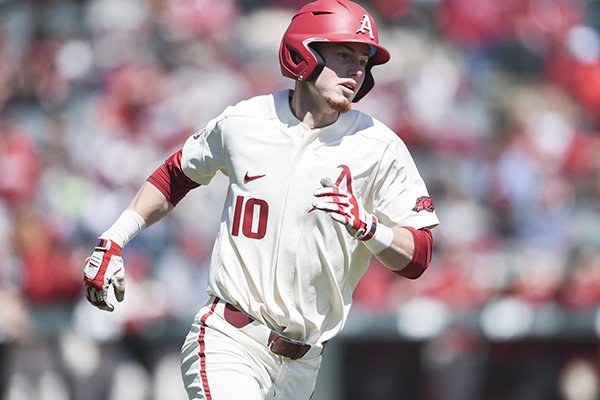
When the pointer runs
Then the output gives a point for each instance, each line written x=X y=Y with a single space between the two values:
x=103 y=269
x=344 y=208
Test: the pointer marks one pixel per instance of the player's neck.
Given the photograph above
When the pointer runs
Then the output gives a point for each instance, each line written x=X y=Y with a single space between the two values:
x=311 y=112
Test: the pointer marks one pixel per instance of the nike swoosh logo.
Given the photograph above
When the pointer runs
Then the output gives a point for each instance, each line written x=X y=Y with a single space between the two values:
x=250 y=178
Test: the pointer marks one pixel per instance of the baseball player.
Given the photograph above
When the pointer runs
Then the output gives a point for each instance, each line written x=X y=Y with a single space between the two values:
x=315 y=190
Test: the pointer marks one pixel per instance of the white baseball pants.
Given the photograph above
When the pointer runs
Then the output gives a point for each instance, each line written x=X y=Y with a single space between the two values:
x=223 y=362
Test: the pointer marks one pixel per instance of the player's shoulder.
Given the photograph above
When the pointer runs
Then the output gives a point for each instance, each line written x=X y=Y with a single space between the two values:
x=372 y=128
x=378 y=134
x=257 y=107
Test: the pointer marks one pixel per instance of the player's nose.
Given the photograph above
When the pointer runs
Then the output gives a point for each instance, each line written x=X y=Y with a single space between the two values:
x=356 y=70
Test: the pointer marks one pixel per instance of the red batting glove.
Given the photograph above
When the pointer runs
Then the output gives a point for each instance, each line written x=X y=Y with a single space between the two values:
x=104 y=268
x=344 y=208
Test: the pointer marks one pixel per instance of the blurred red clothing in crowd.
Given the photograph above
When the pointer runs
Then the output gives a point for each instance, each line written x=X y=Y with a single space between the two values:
x=473 y=24
x=200 y=17
x=131 y=91
x=391 y=9
x=19 y=165
x=47 y=271
x=586 y=88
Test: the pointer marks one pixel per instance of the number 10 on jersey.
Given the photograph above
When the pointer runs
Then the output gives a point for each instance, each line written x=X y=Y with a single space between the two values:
x=251 y=215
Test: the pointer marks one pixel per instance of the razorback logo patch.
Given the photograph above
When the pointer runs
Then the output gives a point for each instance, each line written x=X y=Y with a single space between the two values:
x=424 y=203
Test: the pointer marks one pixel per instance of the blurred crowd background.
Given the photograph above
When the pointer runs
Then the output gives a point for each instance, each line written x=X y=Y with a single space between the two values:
x=498 y=101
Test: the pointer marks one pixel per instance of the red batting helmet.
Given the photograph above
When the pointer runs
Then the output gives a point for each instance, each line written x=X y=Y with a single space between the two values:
x=328 y=21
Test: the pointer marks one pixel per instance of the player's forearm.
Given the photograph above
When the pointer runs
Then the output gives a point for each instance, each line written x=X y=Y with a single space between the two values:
x=409 y=252
x=150 y=203
x=147 y=206
x=399 y=253
x=163 y=189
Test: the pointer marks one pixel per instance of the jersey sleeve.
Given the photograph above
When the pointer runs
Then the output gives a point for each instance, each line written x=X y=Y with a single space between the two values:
x=400 y=195
x=170 y=180
x=203 y=153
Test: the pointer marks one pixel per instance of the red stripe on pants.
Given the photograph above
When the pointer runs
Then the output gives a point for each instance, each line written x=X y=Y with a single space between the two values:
x=201 y=353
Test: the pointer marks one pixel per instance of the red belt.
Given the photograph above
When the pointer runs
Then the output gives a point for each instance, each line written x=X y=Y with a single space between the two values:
x=278 y=344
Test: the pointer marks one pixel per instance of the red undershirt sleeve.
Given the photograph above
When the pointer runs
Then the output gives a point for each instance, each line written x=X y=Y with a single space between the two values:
x=171 y=181
x=422 y=255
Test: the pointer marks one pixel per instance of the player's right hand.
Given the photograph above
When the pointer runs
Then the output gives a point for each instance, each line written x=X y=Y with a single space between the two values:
x=103 y=269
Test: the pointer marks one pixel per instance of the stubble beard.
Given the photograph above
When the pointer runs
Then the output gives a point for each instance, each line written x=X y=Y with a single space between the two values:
x=339 y=105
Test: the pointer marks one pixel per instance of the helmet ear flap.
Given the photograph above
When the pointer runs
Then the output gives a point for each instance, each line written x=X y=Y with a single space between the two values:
x=366 y=86
x=303 y=64
x=291 y=60
x=318 y=67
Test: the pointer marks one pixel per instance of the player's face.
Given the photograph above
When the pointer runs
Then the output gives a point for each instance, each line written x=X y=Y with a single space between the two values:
x=343 y=74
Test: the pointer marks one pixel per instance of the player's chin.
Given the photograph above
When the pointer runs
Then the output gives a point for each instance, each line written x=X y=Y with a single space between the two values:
x=340 y=103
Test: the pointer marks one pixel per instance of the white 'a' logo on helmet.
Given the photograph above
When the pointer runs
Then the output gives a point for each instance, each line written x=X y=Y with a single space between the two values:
x=365 y=26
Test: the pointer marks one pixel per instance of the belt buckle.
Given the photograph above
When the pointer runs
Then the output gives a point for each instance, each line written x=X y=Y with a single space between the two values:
x=289 y=348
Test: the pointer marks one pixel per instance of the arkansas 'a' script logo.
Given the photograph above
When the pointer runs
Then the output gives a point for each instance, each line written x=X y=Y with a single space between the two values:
x=424 y=203
x=365 y=26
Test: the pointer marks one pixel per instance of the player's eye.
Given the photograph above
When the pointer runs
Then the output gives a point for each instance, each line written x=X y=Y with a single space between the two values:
x=343 y=55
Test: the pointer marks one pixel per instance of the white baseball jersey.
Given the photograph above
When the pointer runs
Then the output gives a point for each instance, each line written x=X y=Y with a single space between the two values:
x=285 y=264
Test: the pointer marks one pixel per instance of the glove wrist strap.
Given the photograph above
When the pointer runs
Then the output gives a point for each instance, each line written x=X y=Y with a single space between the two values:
x=381 y=240
x=126 y=227
x=372 y=228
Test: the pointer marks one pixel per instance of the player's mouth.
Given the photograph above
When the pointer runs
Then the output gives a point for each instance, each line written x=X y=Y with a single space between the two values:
x=350 y=85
